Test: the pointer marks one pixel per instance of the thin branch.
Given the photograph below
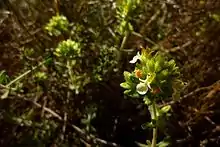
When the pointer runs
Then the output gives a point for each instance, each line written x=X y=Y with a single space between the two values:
x=85 y=143
x=179 y=47
x=44 y=105
x=5 y=87
x=25 y=74
x=154 y=17
x=124 y=40
x=192 y=93
x=54 y=114
x=145 y=38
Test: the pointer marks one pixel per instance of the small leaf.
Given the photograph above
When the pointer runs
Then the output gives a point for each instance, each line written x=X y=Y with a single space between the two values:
x=127 y=75
x=142 y=145
x=147 y=125
x=148 y=142
x=157 y=67
x=147 y=101
x=150 y=65
x=133 y=79
x=172 y=63
x=166 y=109
x=125 y=85
x=135 y=95
x=5 y=95
x=49 y=61
x=127 y=92
x=151 y=77
x=163 y=144
x=163 y=74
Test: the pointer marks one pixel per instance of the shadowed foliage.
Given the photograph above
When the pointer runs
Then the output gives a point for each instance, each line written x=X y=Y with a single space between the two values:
x=78 y=101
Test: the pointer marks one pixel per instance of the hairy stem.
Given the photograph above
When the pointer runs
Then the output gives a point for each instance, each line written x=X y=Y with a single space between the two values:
x=154 y=139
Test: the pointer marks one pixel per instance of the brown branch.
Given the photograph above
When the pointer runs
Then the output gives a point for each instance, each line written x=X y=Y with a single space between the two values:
x=85 y=143
x=179 y=47
x=192 y=93
x=154 y=17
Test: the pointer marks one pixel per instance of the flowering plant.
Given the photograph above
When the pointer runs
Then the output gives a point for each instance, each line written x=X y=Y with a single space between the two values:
x=154 y=78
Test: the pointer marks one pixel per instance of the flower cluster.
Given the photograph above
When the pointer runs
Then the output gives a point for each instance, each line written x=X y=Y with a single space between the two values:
x=69 y=49
x=57 y=25
x=153 y=76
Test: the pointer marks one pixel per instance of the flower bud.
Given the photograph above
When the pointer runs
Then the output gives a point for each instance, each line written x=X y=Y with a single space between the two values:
x=156 y=90
x=138 y=73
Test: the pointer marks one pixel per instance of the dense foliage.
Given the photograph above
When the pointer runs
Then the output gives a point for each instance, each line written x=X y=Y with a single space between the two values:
x=68 y=78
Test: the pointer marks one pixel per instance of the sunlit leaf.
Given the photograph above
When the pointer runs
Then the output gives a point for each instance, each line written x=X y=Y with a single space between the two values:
x=166 y=109
x=125 y=85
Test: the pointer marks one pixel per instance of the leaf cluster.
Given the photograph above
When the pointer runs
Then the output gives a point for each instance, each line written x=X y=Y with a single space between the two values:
x=158 y=72
x=57 y=25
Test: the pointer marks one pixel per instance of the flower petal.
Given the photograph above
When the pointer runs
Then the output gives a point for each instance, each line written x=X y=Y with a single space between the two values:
x=148 y=84
x=142 y=88
x=135 y=58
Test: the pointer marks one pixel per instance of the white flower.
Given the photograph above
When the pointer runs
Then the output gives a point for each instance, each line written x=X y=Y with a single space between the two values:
x=146 y=81
x=142 y=88
x=135 y=58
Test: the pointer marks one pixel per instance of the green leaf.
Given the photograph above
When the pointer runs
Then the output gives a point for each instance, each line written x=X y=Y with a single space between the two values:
x=142 y=145
x=134 y=95
x=133 y=79
x=5 y=95
x=163 y=74
x=158 y=58
x=151 y=77
x=125 y=85
x=127 y=75
x=163 y=144
x=147 y=125
x=166 y=109
x=127 y=92
x=3 y=77
x=157 y=66
x=216 y=17
x=172 y=63
x=147 y=101
x=150 y=65
x=49 y=61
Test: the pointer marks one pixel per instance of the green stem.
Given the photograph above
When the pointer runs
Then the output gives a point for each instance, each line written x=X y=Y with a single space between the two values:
x=69 y=70
x=121 y=48
x=154 y=139
x=124 y=40
x=25 y=74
